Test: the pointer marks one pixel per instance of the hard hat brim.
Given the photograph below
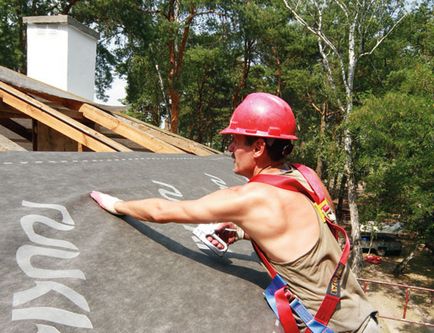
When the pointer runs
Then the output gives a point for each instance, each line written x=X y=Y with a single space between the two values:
x=257 y=133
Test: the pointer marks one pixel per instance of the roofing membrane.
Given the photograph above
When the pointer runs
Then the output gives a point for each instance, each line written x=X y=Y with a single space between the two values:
x=69 y=266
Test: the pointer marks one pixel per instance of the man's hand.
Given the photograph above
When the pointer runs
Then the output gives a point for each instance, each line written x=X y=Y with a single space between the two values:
x=105 y=201
x=229 y=232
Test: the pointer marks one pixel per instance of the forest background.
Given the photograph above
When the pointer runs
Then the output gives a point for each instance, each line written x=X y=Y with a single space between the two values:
x=358 y=75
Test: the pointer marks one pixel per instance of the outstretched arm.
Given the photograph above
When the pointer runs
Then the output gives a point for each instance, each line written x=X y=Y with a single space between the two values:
x=224 y=205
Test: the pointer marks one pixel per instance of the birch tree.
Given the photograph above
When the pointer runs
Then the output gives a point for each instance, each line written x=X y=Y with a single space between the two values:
x=347 y=31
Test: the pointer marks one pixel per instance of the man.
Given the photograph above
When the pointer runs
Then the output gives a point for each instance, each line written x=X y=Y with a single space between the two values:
x=283 y=224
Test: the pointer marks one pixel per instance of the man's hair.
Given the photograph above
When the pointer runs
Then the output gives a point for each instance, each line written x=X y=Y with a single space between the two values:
x=277 y=149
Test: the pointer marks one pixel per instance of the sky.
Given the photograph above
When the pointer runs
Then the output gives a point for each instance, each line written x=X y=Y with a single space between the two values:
x=115 y=93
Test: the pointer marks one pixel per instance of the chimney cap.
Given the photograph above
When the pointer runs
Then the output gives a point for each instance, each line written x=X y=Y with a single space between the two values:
x=61 y=19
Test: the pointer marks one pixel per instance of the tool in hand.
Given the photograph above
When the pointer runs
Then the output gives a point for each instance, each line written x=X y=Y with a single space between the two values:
x=203 y=231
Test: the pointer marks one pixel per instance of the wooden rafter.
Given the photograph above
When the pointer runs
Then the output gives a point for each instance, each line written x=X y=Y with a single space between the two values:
x=8 y=112
x=175 y=140
x=58 y=121
x=173 y=143
x=150 y=137
x=128 y=131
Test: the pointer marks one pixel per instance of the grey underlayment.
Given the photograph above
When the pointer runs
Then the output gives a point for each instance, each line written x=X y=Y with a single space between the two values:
x=69 y=266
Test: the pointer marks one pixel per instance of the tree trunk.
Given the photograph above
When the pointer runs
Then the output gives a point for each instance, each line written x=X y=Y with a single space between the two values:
x=341 y=194
x=176 y=59
x=22 y=37
x=322 y=128
x=67 y=8
x=236 y=98
x=174 y=110
x=278 y=71
x=354 y=212
x=401 y=267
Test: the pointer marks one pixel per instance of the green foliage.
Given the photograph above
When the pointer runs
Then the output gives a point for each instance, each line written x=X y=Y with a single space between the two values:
x=395 y=155
x=206 y=99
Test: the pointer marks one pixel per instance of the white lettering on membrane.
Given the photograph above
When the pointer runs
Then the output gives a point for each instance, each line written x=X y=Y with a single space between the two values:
x=173 y=194
x=28 y=221
x=218 y=181
x=65 y=250
x=43 y=287
x=54 y=315
x=26 y=252
x=46 y=329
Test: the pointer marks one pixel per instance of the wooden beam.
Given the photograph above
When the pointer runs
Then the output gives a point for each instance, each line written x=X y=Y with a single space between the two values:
x=7 y=112
x=8 y=145
x=185 y=144
x=71 y=104
x=126 y=130
x=58 y=121
x=19 y=129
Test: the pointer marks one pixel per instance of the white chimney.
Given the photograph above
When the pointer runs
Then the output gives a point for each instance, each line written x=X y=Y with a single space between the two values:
x=62 y=52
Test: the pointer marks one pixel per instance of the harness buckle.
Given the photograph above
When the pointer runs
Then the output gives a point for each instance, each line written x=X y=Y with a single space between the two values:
x=326 y=211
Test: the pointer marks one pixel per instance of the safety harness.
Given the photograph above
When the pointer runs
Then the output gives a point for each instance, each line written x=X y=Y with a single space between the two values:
x=277 y=294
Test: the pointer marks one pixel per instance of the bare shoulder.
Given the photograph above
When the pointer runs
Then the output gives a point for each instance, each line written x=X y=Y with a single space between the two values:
x=254 y=190
x=257 y=190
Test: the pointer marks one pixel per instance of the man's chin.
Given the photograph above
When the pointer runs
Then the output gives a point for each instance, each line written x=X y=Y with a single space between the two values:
x=238 y=172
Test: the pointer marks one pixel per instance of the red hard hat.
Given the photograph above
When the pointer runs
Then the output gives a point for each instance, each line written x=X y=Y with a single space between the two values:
x=264 y=115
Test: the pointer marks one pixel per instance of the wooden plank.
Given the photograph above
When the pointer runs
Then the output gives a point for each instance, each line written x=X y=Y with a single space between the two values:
x=58 y=121
x=127 y=131
x=174 y=139
x=8 y=145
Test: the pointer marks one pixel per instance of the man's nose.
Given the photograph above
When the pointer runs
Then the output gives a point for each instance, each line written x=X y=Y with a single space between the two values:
x=231 y=147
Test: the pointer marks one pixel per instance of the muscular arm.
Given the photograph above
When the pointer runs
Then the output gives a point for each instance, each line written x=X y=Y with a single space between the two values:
x=224 y=205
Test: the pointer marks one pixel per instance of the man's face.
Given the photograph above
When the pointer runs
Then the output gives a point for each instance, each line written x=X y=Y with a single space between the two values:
x=242 y=153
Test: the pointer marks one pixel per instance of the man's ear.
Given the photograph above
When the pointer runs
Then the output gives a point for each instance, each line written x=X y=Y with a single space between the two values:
x=259 y=147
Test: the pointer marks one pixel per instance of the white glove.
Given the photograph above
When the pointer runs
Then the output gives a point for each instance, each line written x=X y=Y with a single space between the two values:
x=240 y=233
x=105 y=201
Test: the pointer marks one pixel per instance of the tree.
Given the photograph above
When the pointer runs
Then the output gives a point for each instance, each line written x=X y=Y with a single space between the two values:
x=346 y=32
x=395 y=147
x=154 y=39
x=395 y=135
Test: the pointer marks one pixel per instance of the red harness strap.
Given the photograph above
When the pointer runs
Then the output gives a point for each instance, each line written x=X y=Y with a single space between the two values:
x=332 y=297
x=282 y=297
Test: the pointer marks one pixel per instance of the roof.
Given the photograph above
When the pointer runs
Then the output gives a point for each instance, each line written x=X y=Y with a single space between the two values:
x=91 y=125
x=70 y=263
